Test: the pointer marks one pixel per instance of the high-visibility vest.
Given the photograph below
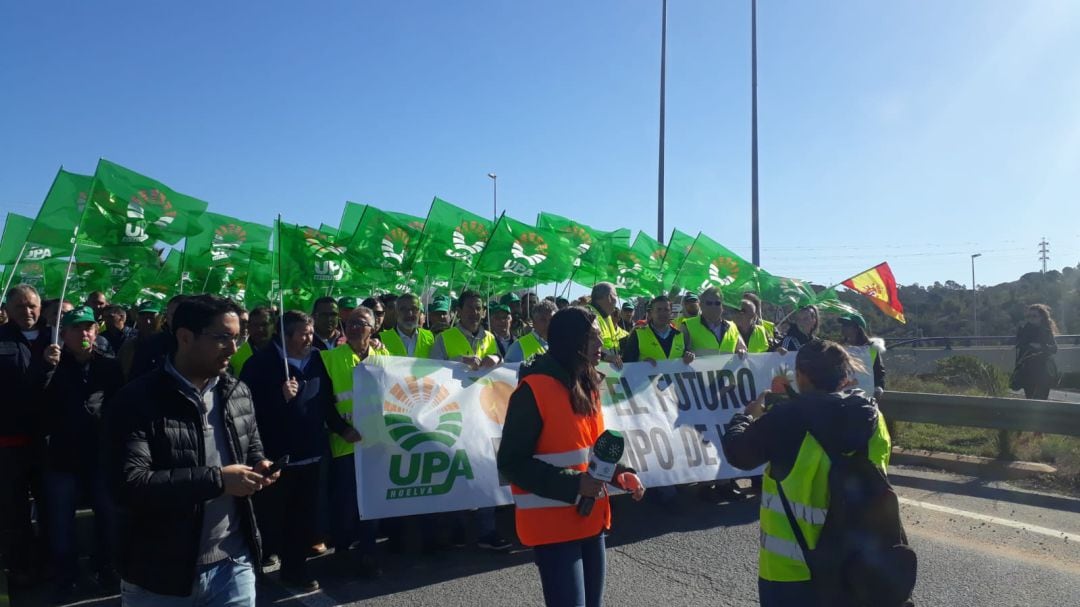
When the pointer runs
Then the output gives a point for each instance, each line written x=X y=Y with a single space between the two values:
x=649 y=346
x=703 y=341
x=396 y=346
x=610 y=333
x=339 y=364
x=243 y=353
x=531 y=346
x=759 y=340
x=457 y=345
x=807 y=489
x=565 y=440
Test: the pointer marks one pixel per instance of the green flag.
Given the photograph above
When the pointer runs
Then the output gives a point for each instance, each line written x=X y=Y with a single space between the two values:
x=678 y=248
x=520 y=254
x=61 y=211
x=453 y=234
x=385 y=242
x=312 y=264
x=829 y=301
x=16 y=227
x=636 y=270
x=711 y=264
x=223 y=238
x=260 y=280
x=782 y=291
x=594 y=247
x=350 y=218
x=127 y=208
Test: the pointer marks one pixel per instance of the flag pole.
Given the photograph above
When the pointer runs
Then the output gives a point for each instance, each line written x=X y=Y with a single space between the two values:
x=63 y=290
x=11 y=275
x=281 y=305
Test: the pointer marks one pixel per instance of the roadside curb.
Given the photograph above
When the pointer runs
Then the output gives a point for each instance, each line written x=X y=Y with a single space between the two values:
x=970 y=465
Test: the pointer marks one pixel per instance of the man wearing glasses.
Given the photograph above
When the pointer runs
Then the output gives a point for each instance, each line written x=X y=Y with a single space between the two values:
x=183 y=458
x=328 y=333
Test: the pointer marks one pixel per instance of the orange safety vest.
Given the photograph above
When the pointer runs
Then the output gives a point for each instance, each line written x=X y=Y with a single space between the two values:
x=565 y=442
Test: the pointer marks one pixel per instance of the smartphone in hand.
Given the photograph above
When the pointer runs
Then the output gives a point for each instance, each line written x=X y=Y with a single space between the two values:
x=278 y=465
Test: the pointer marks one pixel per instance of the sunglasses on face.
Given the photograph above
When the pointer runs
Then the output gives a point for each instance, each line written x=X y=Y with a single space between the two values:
x=358 y=324
x=712 y=304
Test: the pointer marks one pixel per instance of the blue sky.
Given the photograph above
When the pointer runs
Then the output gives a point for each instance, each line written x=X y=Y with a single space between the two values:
x=914 y=132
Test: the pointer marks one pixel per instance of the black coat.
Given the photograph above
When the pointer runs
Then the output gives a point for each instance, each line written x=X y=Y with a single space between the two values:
x=151 y=353
x=23 y=375
x=156 y=465
x=74 y=402
x=295 y=428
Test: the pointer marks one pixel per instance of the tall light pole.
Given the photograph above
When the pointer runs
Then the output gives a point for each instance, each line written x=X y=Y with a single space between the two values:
x=975 y=293
x=753 y=137
x=494 y=196
x=660 y=177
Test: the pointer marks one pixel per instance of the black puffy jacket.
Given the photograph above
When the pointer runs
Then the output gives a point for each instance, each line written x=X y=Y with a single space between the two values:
x=23 y=375
x=74 y=406
x=156 y=465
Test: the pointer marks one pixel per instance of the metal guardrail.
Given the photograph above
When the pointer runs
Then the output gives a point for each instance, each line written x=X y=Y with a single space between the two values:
x=1050 y=417
x=949 y=342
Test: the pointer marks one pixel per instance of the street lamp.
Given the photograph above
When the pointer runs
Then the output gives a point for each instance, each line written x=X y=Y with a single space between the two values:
x=494 y=196
x=975 y=293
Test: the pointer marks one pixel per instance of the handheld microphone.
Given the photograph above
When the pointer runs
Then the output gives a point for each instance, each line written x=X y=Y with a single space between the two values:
x=604 y=455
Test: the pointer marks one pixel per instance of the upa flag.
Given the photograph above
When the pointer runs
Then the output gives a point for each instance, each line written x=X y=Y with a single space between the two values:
x=879 y=285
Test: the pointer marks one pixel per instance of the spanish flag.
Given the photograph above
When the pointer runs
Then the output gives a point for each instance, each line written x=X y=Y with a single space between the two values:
x=879 y=285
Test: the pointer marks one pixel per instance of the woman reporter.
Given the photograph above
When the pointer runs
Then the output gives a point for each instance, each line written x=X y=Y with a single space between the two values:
x=553 y=419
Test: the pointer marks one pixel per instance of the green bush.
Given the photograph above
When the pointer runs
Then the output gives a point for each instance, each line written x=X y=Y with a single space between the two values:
x=971 y=373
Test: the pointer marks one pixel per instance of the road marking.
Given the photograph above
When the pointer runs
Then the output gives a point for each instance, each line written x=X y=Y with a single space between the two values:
x=1054 y=533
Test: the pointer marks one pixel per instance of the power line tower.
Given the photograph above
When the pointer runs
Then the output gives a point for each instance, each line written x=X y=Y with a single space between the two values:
x=1044 y=253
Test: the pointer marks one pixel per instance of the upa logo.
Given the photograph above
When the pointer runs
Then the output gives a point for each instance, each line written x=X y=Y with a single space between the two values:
x=329 y=270
x=469 y=239
x=722 y=271
x=429 y=465
x=528 y=251
x=228 y=237
x=141 y=202
x=393 y=246
x=582 y=237
x=38 y=253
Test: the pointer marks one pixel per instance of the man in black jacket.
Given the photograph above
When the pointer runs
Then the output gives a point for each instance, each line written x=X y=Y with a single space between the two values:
x=83 y=382
x=25 y=367
x=151 y=353
x=291 y=415
x=184 y=457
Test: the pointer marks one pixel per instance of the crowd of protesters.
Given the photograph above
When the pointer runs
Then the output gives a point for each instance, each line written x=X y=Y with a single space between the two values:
x=204 y=465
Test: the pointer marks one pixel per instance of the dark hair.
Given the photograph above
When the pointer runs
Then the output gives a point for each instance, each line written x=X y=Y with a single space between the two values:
x=370 y=303
x=754 y=299
x=817 y=319
x=177 y=299
x=568 y=338
x=261 y=311
x=1043 y=310
x=562 y=301
x=114 y=309
x=826 y=364
x=198 y=312
x=322 y=300
x=466 y=296
x=388 y=299
x=294 y=319
x=658 y=299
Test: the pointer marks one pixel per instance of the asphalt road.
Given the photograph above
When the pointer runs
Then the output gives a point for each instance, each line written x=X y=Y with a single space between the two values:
x=979 y=543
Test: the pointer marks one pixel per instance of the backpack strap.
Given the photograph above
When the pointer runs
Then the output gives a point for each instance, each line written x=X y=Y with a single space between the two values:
x=799 y=537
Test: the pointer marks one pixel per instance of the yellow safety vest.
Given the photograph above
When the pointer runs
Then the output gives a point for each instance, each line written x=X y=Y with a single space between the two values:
x=457 y=345
x=531 y=346
x=396 y=346
x=704 y=341
x=242 y=355
x=610 y=333
x=807 y=489
x=759 y=340
x=339 y=364
x=649 y=346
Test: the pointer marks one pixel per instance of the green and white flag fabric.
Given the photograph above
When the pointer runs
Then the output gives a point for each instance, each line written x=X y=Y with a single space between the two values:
x=16 y=228
x=520 y=254
x=223 y=239
x=453 y=234
x=126 y=208
x=312 y=265
x=711 y=264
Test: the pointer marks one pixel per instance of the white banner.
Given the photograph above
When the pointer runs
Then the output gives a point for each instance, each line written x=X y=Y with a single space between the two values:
x=431 y=429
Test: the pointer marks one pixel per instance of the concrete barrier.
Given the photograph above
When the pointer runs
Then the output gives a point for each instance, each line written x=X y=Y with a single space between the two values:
x=911 y=361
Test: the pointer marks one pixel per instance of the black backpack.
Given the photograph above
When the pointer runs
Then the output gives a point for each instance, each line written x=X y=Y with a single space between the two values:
x=862 y=557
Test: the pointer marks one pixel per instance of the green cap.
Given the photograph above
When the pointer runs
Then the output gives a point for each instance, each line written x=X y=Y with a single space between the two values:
x=689 y=297
x=150 y=307
x=498 y=307
x=439 y=304
x=628 y=306
x=853 y=319
x=78 y=315
x=510 y=298
x=350 y=303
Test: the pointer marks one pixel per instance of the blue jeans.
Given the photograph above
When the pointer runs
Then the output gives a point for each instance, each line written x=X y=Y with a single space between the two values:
x=227 y=583
x=63 y=490
x=346 y=528
x=786 y=594
x=572 y=573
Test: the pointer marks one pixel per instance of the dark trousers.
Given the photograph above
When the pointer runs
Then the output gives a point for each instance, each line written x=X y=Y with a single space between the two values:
x=786 y=594
x=64 y=492
x=21 y=474
x=572 y=573
x=286 y=513
x=346 y=528
x=1039 y=391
